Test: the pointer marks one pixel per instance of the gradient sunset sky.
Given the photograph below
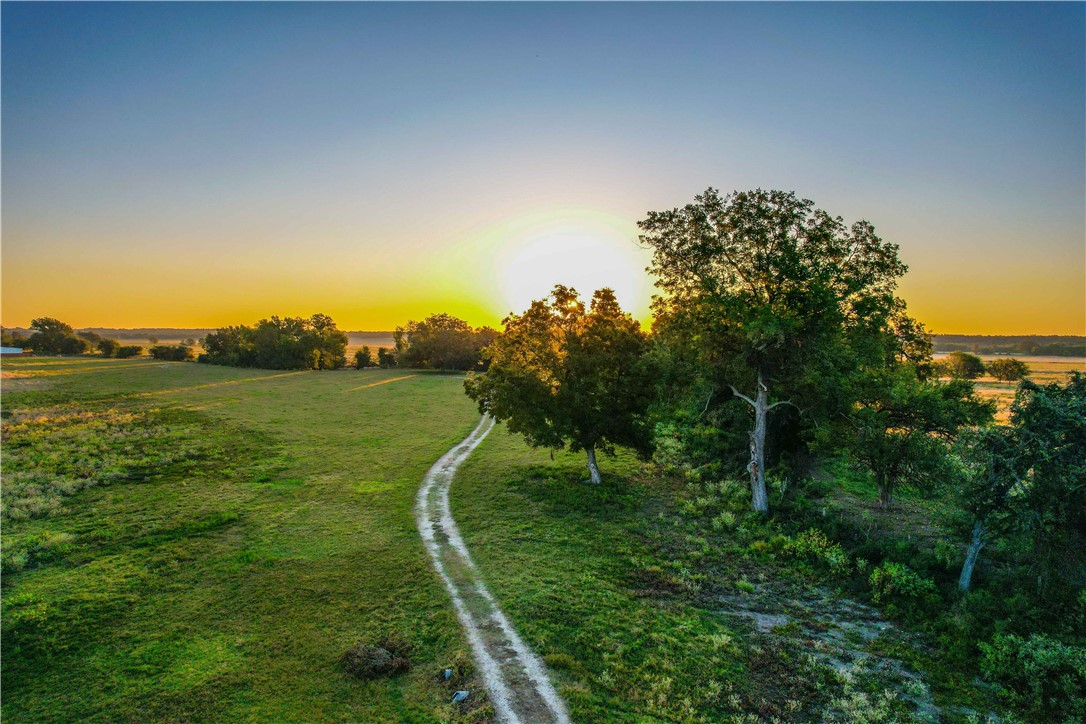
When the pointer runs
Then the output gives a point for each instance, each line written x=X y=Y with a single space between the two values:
x=196 y=165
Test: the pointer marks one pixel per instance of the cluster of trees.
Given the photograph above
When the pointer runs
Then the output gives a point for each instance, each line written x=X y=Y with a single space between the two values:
x=52 y=336
x=778 y=336
x=440 y=342
x=279 y=343
x=965 y=366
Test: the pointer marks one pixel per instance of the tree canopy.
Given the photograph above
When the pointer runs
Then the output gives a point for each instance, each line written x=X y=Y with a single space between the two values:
x=1008 y=369
x=53 y=336
x=442 y=342
x=901 y=427
x=279 y=344
x=564 y=376
x=1029 y=481
x=963 y=365
x=775 y=295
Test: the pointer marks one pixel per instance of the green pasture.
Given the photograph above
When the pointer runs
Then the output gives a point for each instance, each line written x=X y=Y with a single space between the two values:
x=184 y=542
x=234 y=533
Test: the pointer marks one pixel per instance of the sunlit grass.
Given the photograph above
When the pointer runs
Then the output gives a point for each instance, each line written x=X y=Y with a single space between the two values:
x=225 y=582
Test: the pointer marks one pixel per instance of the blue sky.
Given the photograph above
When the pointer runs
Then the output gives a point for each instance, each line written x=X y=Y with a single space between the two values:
x=329 y=149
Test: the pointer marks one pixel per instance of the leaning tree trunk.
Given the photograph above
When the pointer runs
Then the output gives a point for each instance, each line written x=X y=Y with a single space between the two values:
x=593 y=469
x=966 y=579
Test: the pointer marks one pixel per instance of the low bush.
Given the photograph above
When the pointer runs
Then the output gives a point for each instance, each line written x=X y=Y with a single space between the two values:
x=172 y=353
x=901 y=586
x=387 y=657
x=126 y=351
x=812 y=545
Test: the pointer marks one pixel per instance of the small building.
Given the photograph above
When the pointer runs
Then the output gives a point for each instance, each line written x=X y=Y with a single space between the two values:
x=10 y=351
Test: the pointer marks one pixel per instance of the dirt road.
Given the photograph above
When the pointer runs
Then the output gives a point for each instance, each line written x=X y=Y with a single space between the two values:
x=519 y=687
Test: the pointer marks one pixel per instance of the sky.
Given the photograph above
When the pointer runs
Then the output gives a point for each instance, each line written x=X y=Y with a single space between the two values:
x=197 y=165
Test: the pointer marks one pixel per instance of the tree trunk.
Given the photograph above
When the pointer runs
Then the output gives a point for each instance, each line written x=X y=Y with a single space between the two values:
x=886 y=493
x=966 y=579
x=593 y=469
x=759 y=499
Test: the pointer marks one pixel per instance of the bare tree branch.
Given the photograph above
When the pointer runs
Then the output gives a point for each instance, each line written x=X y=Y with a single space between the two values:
x=741 y=396
x=707 y=400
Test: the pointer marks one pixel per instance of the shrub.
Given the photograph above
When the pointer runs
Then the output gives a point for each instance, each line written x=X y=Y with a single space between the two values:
x=387 y=657
x=126 y=351
x=172 y=353
x=1038 y=675
x=362 y=358
x=386 y=358
x=108 y=347
x=813 y=545
x=896 y=583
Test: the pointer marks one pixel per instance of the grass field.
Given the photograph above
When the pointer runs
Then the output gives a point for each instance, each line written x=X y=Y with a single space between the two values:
x=217 y=538
x=187 y=542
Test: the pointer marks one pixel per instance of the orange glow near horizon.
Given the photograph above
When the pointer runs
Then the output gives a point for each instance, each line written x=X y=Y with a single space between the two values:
x=381 y=162
x=481 y=276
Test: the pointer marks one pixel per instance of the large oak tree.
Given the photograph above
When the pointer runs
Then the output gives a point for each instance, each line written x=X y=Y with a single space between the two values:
x=772 y=290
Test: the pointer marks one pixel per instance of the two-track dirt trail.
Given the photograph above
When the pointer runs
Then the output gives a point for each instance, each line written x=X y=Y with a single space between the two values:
x=516 y=679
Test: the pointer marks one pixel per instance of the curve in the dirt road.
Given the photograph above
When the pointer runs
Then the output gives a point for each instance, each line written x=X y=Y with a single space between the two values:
x=518 y=684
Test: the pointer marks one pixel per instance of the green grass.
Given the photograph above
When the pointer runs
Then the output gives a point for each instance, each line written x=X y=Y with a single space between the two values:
x=252 y=533
x=594 y=581
x=185 y=542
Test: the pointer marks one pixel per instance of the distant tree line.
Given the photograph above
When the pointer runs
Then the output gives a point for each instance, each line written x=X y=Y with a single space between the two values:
x=1038 y=345
x=281 y=343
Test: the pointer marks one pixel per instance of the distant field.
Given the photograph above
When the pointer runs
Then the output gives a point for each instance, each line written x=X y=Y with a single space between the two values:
x=1042 y=370
x=235 y=532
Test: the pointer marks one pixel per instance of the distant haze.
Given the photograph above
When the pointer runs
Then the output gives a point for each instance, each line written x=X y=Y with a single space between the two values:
x=204 y=164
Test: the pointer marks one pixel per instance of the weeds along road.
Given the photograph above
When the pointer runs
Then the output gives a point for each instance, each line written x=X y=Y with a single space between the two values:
x=516 y=679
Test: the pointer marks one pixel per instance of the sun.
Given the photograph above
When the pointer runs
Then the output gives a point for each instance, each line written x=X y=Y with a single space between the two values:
x=581 y=253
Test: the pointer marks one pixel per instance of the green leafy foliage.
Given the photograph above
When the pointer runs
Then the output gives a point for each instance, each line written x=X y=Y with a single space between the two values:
x=363 y=358
x=901 y=427
x=172 y=353
x=812 y=545
x=1038 y=675
x=1008 y=369
x=290 y=343
x=963 y=366
x=52 y=336
x=564 y=376
x=386 y=358
x=442 y=342
x=769 y=296
x=897 y=584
